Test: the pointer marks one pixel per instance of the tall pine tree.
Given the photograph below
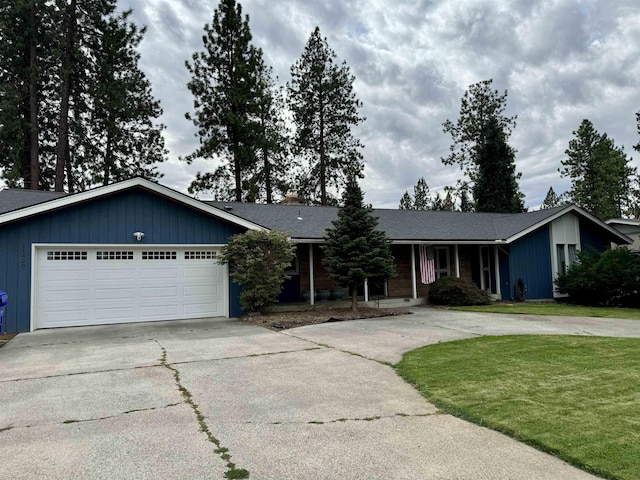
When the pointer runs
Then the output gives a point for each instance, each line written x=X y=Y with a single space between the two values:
x=482 y=126
x=600 y=173
x=325 y=109
x=551 y=200
x=496 y=186
x=226 y=83
x=63 y=71
x=354 y=249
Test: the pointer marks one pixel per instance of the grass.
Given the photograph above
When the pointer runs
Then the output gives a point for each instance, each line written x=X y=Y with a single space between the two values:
x=576 y=397
x=561 y=309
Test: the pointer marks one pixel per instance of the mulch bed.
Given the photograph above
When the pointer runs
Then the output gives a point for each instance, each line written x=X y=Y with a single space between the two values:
x=284 y=320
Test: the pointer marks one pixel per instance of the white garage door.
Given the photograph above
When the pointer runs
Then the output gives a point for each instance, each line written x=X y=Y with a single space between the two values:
x=101 y=285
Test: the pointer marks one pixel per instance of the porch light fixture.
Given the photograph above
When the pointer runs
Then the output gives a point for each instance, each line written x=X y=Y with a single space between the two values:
x=138 y=235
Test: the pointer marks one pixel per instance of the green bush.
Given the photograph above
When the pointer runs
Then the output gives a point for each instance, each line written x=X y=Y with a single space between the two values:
x=257 y=260
x=457 y=292
x=610 y=278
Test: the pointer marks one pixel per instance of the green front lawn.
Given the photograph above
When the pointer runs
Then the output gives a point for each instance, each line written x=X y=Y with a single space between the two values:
x=562 y=309
x=577 y=397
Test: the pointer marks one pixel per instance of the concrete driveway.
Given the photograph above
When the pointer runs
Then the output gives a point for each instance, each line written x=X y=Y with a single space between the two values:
x=209 y=398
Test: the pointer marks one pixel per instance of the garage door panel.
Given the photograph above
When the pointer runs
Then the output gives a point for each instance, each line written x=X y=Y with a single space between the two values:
x=169 y=292
x=103 y=285
x=106 y=274
x=204 y=309
x=62 y=274
x=158 y=273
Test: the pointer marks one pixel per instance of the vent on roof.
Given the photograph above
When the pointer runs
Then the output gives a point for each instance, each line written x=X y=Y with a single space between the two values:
x=228 y=207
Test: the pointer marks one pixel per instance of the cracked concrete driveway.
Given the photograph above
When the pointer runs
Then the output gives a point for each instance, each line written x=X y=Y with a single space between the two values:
x=213 y=398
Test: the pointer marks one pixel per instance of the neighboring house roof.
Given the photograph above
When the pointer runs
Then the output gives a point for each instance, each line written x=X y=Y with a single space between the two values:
x=629 y=227
x=28 y=208
x=16 y=198
x=309 y=223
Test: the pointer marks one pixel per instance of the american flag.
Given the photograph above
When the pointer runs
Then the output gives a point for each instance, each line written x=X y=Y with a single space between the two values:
x=427 y=264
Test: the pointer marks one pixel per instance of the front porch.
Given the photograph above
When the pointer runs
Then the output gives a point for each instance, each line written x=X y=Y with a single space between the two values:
x=484 y=265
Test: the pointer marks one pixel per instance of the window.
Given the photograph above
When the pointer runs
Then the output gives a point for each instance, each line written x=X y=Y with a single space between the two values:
x=485 y=268
x=200 y=255
x=442 y=261
x=66 y=255
x=566 y=255
x=114 y=255
x=159 y=255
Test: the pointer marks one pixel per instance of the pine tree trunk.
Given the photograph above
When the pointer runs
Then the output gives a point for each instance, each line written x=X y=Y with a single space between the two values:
x=267 y=175
x=108 y=161
x=62 y=159
x=323 y=173
x=33 y=104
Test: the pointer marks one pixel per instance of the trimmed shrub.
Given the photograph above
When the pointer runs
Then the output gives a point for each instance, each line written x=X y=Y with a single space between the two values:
x=457 y=292
x=610 y=278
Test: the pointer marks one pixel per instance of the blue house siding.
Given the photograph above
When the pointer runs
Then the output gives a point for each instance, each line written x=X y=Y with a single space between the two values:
x=505 y=280
x=530 y=260
x=592 y=237
x=105 y=220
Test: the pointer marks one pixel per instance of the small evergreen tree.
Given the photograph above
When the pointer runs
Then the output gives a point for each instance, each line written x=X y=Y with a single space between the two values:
x=354 y=249
x=421 y=195
x=405 y=202
x=551 y=200
x=257 y=260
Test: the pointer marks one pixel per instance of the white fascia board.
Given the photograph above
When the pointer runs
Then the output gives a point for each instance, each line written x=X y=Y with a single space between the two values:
x=564 y=211
x=623 y=221
x=417 y=242
x=120 y=186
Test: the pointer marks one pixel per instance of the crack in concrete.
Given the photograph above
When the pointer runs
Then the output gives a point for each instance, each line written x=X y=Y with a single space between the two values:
x=266 y=354
x=344 y=420
x=324 y=345
x=71 y=374
x=83 y=420
x=222 y=452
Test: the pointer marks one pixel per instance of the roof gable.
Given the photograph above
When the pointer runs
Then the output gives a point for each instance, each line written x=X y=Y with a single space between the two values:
x=88 y=195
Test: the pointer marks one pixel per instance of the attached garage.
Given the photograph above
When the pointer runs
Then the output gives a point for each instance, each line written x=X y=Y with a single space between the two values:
x=88 y=285
x=134 y=251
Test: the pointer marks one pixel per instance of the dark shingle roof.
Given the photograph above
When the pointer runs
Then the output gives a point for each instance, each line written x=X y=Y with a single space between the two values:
x=15 y=198
x=398 y=224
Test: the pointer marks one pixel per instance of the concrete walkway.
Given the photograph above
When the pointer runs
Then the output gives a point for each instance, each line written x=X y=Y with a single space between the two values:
x=198 y=399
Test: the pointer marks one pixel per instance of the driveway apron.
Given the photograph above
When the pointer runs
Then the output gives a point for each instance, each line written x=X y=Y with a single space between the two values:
x=217 y=398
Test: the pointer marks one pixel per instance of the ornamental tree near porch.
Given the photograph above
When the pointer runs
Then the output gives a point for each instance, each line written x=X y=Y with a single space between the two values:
x=354 y=249
x=257 y=260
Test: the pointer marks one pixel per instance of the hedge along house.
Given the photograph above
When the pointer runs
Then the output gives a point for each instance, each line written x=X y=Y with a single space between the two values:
x=128 y=252
x=509 y=255
x=138 y=251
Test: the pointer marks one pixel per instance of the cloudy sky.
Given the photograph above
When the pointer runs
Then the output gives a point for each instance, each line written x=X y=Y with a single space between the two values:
x=560 y=61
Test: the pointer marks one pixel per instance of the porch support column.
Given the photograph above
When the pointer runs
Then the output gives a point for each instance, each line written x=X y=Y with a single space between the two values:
x=482 y=285
x=414 y=286
x=457 y=260
x=497 y=266
x=366 y=289
x=312 y=292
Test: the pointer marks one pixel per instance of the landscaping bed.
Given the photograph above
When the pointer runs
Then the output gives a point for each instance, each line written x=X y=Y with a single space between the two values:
x=285 y=320
x=5 y=337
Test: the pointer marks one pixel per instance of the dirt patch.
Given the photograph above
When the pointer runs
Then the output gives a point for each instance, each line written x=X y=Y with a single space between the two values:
x=284 y=320
x=5 y=337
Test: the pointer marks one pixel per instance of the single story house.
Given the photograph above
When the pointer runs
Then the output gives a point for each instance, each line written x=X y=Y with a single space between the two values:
x=139 y=251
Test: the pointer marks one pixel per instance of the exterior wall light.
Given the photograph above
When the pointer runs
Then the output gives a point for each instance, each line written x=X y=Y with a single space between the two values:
x=138 y=235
